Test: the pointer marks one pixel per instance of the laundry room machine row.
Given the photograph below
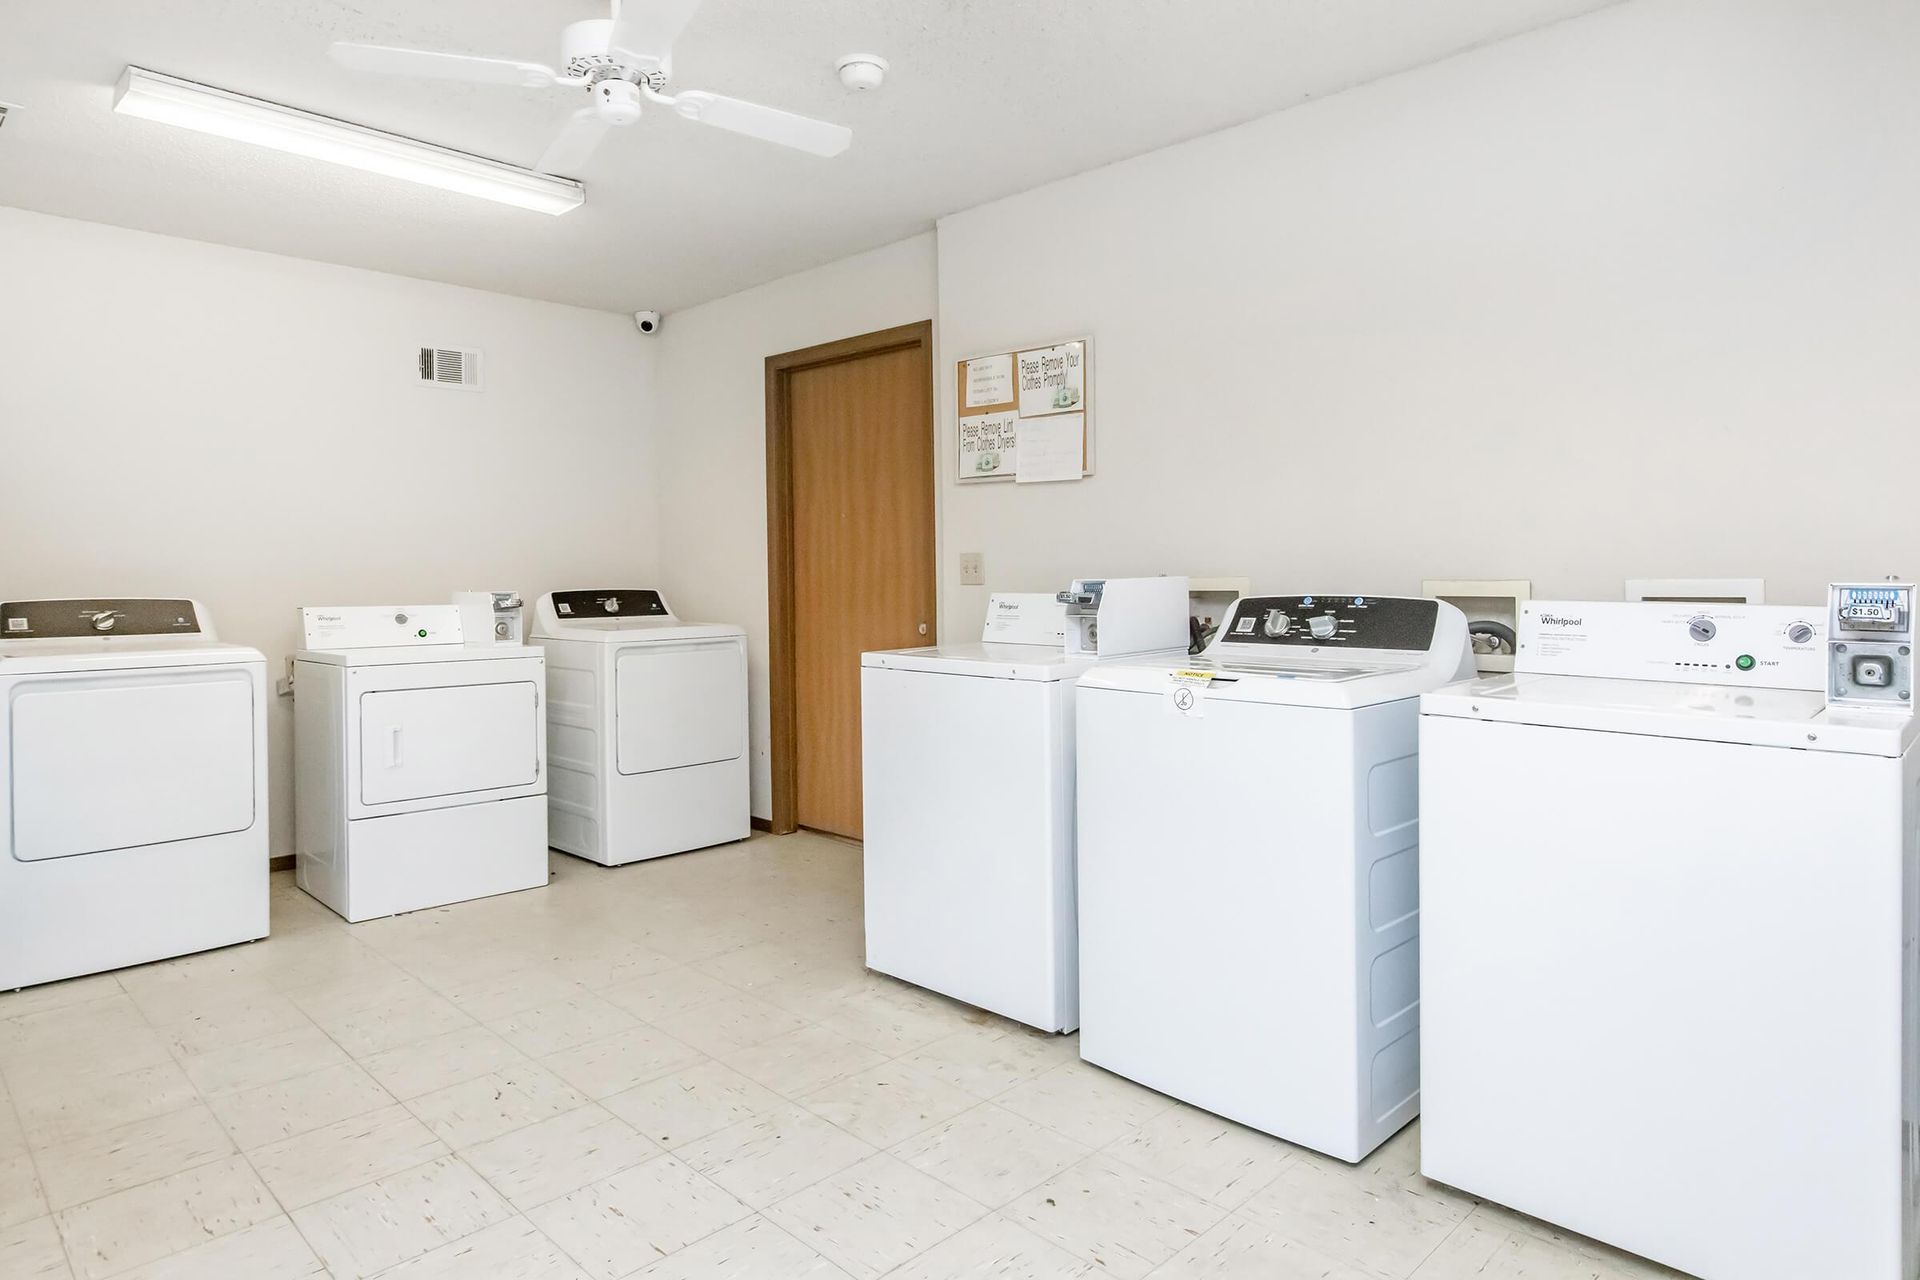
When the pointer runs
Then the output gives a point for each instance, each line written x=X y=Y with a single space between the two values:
x=133 y=752
x=419 y=759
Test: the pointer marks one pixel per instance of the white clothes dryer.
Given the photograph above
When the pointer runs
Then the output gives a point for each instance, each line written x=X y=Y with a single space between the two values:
x=647 y=724
x=1672 y=943
x=1249 y=853
x=134 y=815
x=419 y=761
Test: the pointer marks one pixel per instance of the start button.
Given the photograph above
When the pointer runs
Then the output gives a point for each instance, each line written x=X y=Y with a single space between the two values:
x=1744 y=662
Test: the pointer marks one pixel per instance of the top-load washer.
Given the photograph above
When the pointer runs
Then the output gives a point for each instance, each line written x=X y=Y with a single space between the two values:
x=419 y=761
x=968 y=781
x=1672 y=901
x=1249 y=849
x=134 y=815
x=647 y=724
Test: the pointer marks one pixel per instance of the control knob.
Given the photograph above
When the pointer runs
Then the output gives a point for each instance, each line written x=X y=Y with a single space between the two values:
x=1276 y=624
x=1323 y=626
x=104 y=620
x=611 y=604
x=1799 y=632
x=1703 y=629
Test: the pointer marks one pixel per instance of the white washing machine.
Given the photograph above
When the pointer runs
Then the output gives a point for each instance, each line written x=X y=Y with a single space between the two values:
x=647 y=724
x=968 y=781
x=1670 y=930
x=419 y=761
x=1249 y=856
x=134 y=749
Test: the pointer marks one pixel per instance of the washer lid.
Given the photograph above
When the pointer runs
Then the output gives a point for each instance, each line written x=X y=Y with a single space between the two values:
x=1796 y=718
x=1337 y=681
x=976 y=658
x=36 y=657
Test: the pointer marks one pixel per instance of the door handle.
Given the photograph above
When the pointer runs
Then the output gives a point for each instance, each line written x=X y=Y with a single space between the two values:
x=393 y=746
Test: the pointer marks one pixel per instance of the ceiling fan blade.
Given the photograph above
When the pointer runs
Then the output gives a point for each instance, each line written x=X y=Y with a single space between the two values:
x=648 y=28
x=568 y=154
x=770 y=124
x=442 y=66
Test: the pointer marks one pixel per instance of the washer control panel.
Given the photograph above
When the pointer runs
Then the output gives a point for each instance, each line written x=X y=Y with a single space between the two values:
x=1263 y=623
x=1870 y=645
x=69 y=619
x=613 y=603
x=1767 y=646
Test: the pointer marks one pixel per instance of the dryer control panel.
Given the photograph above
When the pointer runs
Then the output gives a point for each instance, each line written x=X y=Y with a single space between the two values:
x=581 y=606
x=378 y=626
x=71 y=619
x=1263 y=623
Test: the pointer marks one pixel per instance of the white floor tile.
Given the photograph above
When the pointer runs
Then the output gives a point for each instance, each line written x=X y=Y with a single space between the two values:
x=130 y=1154
x=1090 y=1106
x=755 y=1249
x=442 y=1061
x=621 y=1223
x=798 y=1062
x=482 y=1109
x=367 y=1230
x=31 y=1250
x=270 y=1250
x=549 y=1028
x=1239 y=1248
x=1213 y=1158
x=1375 y=1222
x=21 y=1198
x=728 y=1024
x=629 y=1059
x=510 y=1250
x=344 y=1155
x=667 y=992
x=990 y=1154
x=995 y=1248
x=265 y=1061
x=771 y=1156
x=1115 y=1216
x=149 y=1222
x=872 y=1216
x=533 y=1165
x=987 y=1062
x=888 y=1103
x=57 y=1112
x=692 y=1103
x=271 y=1113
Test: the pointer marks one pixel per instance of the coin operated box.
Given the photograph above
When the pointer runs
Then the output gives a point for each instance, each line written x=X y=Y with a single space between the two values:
x=1870 y=645
x=1114 y=617
x=490 y=617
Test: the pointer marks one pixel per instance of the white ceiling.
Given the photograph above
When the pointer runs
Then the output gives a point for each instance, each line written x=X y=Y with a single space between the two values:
x=987 y=97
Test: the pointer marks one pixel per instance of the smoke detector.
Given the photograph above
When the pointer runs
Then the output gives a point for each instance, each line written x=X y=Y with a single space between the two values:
x=861 y=71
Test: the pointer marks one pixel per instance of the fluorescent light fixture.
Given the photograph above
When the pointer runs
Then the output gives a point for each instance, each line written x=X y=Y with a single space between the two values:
x=151 y=96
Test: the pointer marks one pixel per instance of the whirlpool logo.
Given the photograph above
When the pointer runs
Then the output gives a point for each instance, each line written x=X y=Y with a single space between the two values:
x=1555 y=620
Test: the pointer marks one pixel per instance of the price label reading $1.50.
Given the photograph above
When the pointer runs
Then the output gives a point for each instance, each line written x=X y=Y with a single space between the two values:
x=1187 y=692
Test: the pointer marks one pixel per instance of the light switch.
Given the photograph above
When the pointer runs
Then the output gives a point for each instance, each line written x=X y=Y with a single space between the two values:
x=973 y=572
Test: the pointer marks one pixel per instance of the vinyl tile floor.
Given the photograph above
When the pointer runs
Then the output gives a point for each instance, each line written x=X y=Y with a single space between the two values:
x=676 y=1070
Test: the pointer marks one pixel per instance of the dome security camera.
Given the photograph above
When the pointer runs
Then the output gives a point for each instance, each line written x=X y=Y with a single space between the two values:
x=861 y=71
x=647 y=321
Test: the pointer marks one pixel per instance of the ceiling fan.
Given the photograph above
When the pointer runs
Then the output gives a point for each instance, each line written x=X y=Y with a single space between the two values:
x=622 y=62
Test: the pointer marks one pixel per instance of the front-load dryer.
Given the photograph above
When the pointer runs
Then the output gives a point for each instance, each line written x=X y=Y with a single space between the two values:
x=1672 y=969
x=419 y=761
x=134 y=749
x=647 y=723
x=1249 y=855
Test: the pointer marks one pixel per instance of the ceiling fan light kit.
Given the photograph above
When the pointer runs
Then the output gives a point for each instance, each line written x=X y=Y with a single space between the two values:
x=624 y=63
x=860 y=72
x=163 y=99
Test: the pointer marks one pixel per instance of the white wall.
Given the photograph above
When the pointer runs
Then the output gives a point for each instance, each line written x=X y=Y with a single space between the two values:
x=1637 y=295
x=712 y=441
x=179 y=418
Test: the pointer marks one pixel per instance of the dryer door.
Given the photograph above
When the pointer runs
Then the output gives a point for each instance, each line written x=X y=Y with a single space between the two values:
x=680 y=703
x=113 y=762
x=448 y=740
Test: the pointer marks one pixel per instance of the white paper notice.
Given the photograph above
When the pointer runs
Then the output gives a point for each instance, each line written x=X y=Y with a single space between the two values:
x=1187 y=693
x=989 y=381
x=1053 y=380
x=1052 y=448
x=987 y=443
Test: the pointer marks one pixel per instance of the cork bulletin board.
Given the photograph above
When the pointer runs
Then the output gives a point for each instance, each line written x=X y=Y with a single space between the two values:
x=1026 y=414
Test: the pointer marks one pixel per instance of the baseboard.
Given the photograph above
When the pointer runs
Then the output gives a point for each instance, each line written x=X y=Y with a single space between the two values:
x=282 y=863
x=761 y=824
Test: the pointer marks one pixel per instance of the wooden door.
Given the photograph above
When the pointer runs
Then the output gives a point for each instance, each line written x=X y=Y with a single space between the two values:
x=858 y=448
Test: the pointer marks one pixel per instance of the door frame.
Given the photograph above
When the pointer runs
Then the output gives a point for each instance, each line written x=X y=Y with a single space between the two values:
x=783 y=693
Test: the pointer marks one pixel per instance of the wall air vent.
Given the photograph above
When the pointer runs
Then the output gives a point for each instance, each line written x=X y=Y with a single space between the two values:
x=447 y=367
